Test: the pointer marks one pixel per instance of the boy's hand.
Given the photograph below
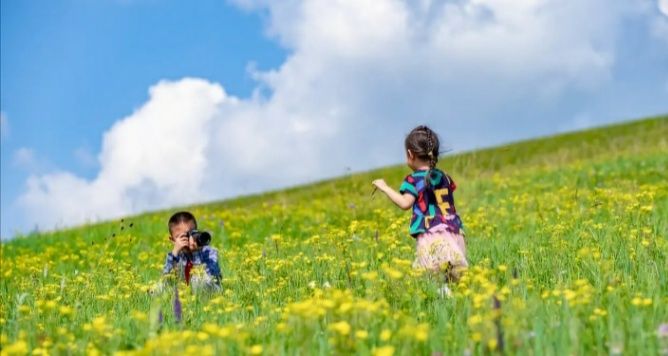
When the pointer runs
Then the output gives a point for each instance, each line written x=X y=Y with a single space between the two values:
x=180 y=242
x=380 y=184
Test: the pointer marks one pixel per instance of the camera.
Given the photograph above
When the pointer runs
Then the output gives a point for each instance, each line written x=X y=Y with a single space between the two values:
x=202 y=238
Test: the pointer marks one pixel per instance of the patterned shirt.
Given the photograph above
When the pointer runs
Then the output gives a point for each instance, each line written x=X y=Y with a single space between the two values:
x=188 y=265
x=434 y=205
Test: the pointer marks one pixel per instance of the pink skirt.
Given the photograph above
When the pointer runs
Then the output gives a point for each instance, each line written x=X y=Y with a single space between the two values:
x=439 y=249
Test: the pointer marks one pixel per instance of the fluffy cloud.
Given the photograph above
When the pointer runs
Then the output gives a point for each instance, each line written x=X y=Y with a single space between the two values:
x=663 y=6
x=359 y=75
x=152 y=158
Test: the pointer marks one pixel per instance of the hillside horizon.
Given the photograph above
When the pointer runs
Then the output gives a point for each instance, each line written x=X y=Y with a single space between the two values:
x=512 y=145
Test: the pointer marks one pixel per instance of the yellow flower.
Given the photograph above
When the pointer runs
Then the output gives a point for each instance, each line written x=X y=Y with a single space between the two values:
x=281 y=327
x=342 y=327
x=385 y=335
x=65 y=310
x=384 y=351
x=256 y=350
x=422 y=332
x=476 y=336
x=370 y=276
x=20 y=347
x=361 y=334
x=138 y=315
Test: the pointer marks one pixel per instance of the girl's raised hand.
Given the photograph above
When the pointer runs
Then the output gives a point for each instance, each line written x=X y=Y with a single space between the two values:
x=380 y=184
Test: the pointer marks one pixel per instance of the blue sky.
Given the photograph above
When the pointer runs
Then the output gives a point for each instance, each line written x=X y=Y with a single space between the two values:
x=282 y=93
x=72 y=68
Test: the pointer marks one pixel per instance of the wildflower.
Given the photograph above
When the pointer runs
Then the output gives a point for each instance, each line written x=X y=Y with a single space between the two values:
x=20 y=347
x=384 y=351
x=361 y=334
x=256 y=350
x=281 y=327
x=65 y=310
x=138 y=315
x=476 y=336
x=342 y=327
x=370 y=276
x=422 y=332
x=662 y=331
x=385 y=335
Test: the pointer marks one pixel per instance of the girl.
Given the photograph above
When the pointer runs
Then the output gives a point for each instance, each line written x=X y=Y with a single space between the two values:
x=434 y=224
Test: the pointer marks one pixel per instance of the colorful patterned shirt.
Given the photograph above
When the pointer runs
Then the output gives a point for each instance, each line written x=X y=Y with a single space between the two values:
x=434 y=205
x=189 y=264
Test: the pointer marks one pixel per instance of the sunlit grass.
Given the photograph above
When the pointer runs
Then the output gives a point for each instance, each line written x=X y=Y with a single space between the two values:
x=566 y=238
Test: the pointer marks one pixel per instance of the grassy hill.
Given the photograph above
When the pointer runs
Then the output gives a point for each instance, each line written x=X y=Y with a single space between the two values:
x=566 y=235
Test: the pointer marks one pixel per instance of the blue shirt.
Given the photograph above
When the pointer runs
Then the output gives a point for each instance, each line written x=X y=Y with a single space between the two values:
x=206 y=257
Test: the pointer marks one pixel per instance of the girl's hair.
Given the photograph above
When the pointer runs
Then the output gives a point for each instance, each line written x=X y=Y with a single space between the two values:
x=424 y=144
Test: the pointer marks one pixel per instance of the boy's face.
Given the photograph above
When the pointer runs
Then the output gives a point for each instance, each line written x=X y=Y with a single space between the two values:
x=180 y=231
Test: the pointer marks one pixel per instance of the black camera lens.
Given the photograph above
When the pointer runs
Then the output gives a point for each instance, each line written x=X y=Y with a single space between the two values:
x=202 y=238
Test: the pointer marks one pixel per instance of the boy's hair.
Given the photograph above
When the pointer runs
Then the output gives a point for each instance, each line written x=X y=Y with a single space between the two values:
x=181 y=217
x=424 y=144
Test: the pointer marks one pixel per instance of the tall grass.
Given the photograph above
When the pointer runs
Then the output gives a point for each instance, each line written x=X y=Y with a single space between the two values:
x=566 y=237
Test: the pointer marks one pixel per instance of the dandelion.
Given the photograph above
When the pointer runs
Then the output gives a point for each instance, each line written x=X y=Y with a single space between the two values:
x=65 y=310
x=361 y=334
x=384 y=351
x=256 y=350
x=342 y=327
x=20 y=347
x=138 y=315
x=385 y=335
x=422 y=332
x=202 y=336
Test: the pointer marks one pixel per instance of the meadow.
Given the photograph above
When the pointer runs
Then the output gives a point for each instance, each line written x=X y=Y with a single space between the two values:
x=566 y=236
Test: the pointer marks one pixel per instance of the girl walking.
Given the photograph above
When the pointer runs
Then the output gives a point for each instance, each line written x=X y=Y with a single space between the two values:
x=428 y=192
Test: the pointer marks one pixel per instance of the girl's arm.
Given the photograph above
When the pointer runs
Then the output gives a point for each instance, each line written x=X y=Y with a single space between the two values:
x=404 y=201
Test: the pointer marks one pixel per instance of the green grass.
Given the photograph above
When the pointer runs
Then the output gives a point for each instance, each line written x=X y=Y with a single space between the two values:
x=568 y=233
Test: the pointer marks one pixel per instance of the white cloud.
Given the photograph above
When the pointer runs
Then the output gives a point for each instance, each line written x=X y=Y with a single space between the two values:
x=152 y=158
x=663 y=6
x=4 y=125
x=659 y=24
x=359 y=75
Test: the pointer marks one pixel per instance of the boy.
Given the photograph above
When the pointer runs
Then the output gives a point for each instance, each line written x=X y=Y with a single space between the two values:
x=187 y=255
